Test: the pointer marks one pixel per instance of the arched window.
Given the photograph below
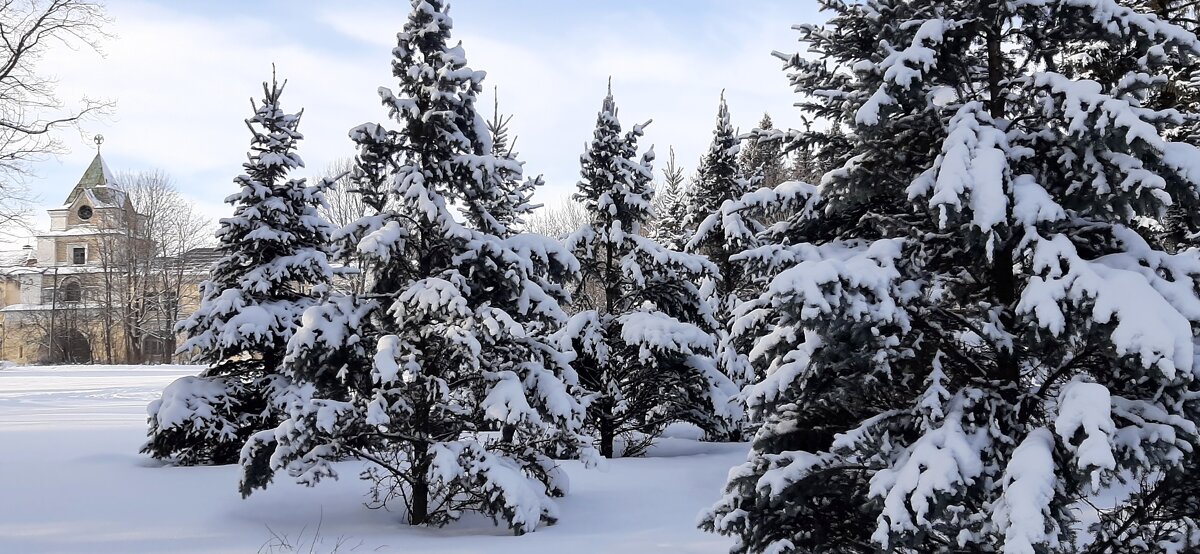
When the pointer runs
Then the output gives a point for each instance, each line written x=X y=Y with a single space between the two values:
x=72 y=291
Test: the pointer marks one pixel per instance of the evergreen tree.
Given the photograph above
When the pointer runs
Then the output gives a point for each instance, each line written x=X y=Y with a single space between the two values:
x=718 y=176
x=731 y=237
x=970 y=338
x=719 y=180
x=512 y=202
x=502 y=145
x=810 y=162
x=1107 y=63
x=272 y=258
x=1163 y=511
x=670 y=203
x=452 y=328
x=762 y=157
x=643 y=345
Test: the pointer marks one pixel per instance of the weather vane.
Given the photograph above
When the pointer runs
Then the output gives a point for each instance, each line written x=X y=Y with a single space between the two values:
x=99 y=139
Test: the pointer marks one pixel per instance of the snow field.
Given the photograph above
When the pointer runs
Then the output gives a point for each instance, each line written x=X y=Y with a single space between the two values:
x=71 y=480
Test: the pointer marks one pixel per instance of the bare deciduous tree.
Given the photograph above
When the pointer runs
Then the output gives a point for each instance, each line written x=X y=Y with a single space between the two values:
x=176 y=229
x=345 y=205
x=30 y=112
x=149 y=267
x=559 y=220
x=162 y=280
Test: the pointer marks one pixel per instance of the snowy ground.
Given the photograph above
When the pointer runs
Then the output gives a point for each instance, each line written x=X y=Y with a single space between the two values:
x=71 y=480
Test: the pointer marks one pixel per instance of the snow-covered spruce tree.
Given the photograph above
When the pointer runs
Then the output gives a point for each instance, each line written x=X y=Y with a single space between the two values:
x=511 y=200
x=1163 y=515
x=719 y=179
x=643 y=337
x=1108 y=63
x=732 y=236
x=719 y=176
x=1181 y=228
x=272 y=259
x=451 y=329
x=762 y=156
x=505 y=213
x=971 y=339
x=669 y=205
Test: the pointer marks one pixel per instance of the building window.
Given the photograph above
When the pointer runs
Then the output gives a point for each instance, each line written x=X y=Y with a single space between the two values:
x=72 y=291
x=85 y=212
x=79 y=255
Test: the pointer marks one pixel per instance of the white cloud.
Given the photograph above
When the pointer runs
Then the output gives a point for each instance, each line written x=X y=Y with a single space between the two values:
x=183 y=82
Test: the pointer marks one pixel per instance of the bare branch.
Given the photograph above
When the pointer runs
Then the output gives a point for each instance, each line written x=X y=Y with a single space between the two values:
x=30 y=113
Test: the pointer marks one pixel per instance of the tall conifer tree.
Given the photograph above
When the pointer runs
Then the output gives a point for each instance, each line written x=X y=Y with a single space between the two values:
x=719 y=176
x=452 y=329
x=970 y=338
x=272 y=258
x=719 y=179
x=670 y=205
x=643 y=343
x=762 y=158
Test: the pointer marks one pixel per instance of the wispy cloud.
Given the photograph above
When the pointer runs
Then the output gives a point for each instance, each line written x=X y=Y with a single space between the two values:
x=183 y=76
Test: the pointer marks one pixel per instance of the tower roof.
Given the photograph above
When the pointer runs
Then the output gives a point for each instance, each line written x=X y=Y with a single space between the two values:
x=95 y=176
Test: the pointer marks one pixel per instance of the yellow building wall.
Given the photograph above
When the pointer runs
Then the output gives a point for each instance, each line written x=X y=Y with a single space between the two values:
x=23 y=333
x=10 y=292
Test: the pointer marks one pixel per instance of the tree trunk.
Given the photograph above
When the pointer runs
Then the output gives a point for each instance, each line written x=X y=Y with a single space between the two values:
x=604 y=405
x=1004 y=291
x=606 y=430
x=106 y=266
x=419 y=512
x=1003 y=281
x=995 y=70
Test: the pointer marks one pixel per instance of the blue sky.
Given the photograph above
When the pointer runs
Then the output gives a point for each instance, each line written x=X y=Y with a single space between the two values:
x=182 y=74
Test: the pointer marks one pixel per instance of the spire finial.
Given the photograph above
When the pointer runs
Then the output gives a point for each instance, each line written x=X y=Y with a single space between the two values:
x=98 y=139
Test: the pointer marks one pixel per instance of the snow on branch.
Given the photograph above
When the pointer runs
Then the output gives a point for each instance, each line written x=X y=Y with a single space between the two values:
x=1085 y=409
x=196 y=402
x=855 y=280
x=648 y=253
x=905 y=66
x=973 y=163
x=1111 y=17
x=851 y=281
x=1032 y=204
x=1145 y=324
x=937 y=467
x=329 y=326
x=736 y=219
x=1023 y=511
x=655 y=332
x=1087 y=110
